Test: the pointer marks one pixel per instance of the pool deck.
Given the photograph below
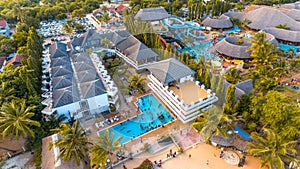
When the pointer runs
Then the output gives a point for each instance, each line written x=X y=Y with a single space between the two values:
x=189 y=92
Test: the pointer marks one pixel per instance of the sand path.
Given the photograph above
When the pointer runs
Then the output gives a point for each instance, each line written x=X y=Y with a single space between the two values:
x=200 y=154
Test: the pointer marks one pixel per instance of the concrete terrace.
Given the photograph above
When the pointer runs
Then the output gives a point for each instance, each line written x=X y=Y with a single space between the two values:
x=189 y=92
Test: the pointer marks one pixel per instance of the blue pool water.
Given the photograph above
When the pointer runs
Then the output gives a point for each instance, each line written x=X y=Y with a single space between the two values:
x=149 y=119
x=235 y=29
x=242 y=133
x=286 y=48
x=248 y=35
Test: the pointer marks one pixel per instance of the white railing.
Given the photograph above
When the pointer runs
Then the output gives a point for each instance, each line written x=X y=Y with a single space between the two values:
x=187 y=108
x=184 y=112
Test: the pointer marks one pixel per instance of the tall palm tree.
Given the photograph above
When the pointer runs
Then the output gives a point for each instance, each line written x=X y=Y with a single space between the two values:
x=15 y=119
x=105 y=144
x=72 y=142
x=272 y=149
x=98 y=156
x=137 y=82
x=263 y=51
x=214 y=121
x=232 y=76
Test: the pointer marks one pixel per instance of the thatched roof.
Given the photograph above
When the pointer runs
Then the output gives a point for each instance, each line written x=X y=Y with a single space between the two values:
x=238 y=143
x=152 y=14
x=293 y=13
x=244 y=87
x=136 y=50
x=220 y=23
x=295 y=5
x=221 y=140
x=131 y=46
x=238 y=15
x=266 y=17
x=169 y=70
x=282 y=34
x=229 y=47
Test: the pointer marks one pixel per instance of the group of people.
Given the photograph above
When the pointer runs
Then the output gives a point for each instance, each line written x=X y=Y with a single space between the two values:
x=111 y=120
x=158 y=164
x=171 y=154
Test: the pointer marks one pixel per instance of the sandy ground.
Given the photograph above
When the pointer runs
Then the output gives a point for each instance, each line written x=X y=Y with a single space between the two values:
x=200 y=154
x=18 y=162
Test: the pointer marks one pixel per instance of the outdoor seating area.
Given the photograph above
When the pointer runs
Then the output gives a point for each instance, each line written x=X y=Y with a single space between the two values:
x=107 y=122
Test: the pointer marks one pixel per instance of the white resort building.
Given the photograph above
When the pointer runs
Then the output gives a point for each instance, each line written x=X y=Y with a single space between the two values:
x=75 y=85
x=173 y=83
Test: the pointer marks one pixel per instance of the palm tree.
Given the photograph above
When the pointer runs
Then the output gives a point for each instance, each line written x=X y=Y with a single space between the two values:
x=72 y=142
x=6 y=93
x=213 y=121
x=105 y=42
x=263 y=51
x=98 y=156
x=232 y=76
x=19 y=13
x=105 y=144
x=282 y=26
x=15 y=119
x=137 y=82
x=272 y=149
x=68 y=28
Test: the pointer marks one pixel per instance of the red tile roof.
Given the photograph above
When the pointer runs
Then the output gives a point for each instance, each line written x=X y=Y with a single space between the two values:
x=121 y=8
x=3 y=23
x=16 y=60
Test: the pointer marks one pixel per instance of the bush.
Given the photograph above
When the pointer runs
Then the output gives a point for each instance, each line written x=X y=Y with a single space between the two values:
x=112 y=108
x=146 y=164
x=38 y=156
x=180 y=150
x=246 y=66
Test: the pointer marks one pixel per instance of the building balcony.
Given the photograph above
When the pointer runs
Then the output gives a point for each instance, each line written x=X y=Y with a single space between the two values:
x=47 y=94
x=47 y=110
x=47 y=102
x=113 y=100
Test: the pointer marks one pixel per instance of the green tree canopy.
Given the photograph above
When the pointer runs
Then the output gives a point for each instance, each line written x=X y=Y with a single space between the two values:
x=272 y=149
x=72 y=142
x=262 y=50
x=15 y=119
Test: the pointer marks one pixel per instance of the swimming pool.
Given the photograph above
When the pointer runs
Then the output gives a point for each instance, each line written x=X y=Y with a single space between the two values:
x=235 y=29
x=242 y=133
x=286 y=48
x=153 y=115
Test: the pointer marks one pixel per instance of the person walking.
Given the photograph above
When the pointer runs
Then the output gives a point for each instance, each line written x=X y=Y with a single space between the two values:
x=124 y=167
x=207 y=162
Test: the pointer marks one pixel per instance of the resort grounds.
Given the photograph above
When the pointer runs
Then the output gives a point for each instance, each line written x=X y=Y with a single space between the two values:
x=199 y=156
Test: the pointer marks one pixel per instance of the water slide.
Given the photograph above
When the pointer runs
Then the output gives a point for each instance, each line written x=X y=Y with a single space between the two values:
x=191 y=26
x=169 y=39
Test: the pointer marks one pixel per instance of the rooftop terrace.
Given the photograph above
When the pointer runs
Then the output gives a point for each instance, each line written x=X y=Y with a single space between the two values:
x=189 y=92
